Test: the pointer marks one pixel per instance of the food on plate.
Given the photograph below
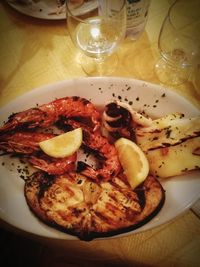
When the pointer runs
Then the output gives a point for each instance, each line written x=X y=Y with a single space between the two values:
x=171 y=143
x=168 y=131
x=176 y=159
x=65 y=114
x=63 y=145
x=26 y=146
x=88 y=209
x=98 y=145
x=133 y=160
x=48 y=114
x=105 y=152
x=97 y=170
x=119 y=119
x=21 y=134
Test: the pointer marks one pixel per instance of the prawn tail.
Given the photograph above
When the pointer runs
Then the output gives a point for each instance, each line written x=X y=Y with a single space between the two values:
x=55 y=166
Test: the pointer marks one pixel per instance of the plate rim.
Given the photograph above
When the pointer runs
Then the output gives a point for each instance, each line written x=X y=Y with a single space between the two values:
x=45 y=86
x=39 y=13
x=24 y=10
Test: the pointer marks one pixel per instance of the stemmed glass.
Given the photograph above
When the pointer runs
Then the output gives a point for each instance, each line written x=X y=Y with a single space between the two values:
x=179 y=42
x=97 y=27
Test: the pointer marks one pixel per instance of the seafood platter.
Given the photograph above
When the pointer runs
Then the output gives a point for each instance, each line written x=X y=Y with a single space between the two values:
x=94 y=158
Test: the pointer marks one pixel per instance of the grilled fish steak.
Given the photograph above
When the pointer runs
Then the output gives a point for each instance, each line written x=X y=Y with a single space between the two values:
x=87 y=209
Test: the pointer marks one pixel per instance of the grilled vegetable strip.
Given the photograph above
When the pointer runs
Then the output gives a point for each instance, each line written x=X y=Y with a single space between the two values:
x=175 y=160
x=166 y=132
x=171 y=144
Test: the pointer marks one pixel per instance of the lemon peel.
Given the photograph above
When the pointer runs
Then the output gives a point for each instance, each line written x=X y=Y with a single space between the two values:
x=133 y=160
x=63 y=145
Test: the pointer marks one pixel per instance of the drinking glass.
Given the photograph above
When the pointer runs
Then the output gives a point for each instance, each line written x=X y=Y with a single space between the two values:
x=179 y=42
x=97 y=27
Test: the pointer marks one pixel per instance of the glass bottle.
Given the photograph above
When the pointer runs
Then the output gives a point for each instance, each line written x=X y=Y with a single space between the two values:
x=137 y=14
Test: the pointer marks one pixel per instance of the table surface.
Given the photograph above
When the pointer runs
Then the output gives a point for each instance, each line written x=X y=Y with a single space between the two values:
x=35 y=52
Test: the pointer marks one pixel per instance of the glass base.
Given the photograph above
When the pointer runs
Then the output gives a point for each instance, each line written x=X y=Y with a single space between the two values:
x=99 y=67
x=171 y=75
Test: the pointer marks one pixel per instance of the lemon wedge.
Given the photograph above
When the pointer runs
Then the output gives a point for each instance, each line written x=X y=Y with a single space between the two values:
x=133 y=161
x=63 y=145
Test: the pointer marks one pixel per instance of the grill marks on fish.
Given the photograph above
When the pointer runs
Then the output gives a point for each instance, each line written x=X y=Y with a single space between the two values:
x=88 y=209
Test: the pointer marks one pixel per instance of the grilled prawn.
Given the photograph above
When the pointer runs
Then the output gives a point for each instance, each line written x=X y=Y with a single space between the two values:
x=26 y=144
x=75 y=111
x=105 y=152
x=48 y=114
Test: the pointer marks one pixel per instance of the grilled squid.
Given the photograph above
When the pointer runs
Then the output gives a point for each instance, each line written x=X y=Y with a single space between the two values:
x=120 y=120
x=171 y=143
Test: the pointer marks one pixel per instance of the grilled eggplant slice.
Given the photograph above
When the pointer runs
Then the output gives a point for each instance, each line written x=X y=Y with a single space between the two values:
x=84 y=208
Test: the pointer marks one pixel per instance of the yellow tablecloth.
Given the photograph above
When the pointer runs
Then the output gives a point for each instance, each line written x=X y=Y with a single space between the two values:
x=35 y=52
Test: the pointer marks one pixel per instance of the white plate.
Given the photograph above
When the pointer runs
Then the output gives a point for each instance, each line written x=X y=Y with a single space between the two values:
x=46 y=9
x=43 y=9
x=181 y=192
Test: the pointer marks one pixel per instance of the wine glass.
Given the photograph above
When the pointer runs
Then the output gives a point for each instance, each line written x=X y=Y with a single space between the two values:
x=97 y=27
x=179 y=42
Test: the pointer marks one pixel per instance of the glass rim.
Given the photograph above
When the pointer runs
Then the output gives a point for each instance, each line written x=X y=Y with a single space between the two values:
x=168 y=16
